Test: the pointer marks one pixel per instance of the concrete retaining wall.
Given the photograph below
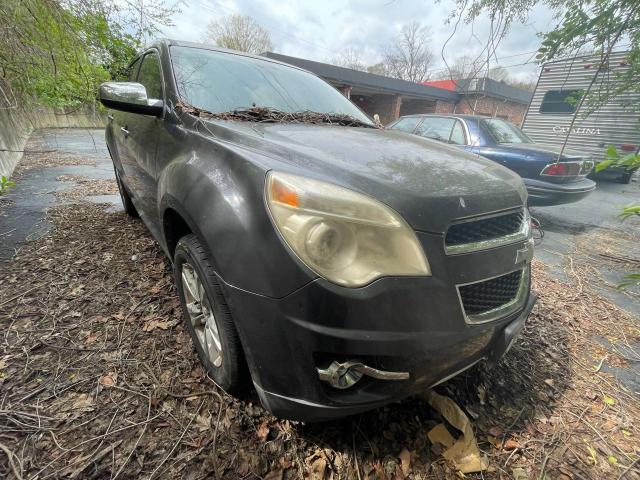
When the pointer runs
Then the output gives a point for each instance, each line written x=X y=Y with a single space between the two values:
x=16 y=125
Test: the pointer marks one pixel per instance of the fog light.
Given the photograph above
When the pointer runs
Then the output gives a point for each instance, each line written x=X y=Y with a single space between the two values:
x=347 y=374
x=340 y=375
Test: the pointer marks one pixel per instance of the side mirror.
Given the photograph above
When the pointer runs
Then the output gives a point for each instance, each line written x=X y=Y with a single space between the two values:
x=129 y=97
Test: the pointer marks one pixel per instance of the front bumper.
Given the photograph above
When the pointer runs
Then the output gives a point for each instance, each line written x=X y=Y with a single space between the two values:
x=433 y=373
x=395 y=324
x=543 y=193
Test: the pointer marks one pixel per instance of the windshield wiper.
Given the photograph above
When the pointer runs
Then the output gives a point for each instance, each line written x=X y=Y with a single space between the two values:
x=273 y=115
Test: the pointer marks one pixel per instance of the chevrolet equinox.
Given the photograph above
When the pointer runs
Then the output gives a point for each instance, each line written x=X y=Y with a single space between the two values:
x=340 y=265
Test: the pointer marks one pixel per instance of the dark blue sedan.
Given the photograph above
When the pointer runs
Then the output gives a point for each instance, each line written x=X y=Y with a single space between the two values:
x=549 y=180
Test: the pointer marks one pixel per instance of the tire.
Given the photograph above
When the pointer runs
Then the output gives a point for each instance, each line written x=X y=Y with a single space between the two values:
x=229 y=372
x=626 y=177
x=125 y=197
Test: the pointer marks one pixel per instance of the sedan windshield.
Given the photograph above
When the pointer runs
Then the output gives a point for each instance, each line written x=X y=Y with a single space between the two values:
x=220 y=82
x=504 y=132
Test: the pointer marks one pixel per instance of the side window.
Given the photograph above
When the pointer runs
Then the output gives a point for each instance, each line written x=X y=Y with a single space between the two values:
x=447 y=130
x=560 y=101
x=406 y=124
x=132 y=72
x=457 y=134
x=150 y=76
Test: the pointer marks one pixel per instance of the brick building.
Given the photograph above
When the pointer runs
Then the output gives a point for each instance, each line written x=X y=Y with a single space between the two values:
x=391 y=97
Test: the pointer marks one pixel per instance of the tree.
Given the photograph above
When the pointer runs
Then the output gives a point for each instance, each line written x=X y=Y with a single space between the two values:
x=377 y=69
x=350 y=58
x=145 y=16
x=461 y=68
x=56 y=53
x=239 y=32
x=409 y=57
x=499 y=73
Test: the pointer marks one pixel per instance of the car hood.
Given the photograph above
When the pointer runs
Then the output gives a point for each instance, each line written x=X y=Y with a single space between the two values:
x=543 y=151
x=427 y=182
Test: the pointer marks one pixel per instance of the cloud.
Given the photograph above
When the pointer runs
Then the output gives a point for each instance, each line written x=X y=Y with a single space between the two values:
x=320 y=30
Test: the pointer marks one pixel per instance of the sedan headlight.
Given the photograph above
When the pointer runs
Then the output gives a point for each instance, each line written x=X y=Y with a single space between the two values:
x=343 y=236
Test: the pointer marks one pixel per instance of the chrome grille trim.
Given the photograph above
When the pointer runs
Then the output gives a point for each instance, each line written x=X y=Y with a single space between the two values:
x=522 y=234
x=504 y=310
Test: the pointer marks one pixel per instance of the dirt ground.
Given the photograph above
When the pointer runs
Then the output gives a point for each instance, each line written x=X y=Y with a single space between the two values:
x=98 y=379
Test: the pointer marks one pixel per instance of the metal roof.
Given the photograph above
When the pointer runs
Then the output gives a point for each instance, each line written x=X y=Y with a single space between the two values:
x=494 y=88
x=366 y=80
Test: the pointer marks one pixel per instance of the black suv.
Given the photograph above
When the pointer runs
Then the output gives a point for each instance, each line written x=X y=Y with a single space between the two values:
x=347 y=266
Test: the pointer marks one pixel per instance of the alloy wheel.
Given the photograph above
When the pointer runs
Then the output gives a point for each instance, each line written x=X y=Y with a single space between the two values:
x=201 y=314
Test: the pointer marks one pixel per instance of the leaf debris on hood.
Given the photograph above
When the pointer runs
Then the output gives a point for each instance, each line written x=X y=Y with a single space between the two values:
x=272 y=115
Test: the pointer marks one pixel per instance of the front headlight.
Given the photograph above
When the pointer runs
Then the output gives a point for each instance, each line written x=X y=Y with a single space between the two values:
x=343 y=236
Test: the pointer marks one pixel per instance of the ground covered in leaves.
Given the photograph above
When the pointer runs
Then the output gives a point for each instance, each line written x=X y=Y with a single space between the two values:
x=98 y=379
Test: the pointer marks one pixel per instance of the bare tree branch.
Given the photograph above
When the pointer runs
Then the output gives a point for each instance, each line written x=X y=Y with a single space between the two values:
x=239 y=32
x=409 y=56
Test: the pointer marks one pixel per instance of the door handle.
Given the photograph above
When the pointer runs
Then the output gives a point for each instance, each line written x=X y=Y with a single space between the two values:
x=125 y=131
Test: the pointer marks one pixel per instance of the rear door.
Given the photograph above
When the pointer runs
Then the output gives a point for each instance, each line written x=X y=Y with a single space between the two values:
x=444 y=129
x=142 y=133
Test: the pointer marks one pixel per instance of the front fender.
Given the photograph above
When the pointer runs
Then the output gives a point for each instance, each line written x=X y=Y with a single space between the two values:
x=220 y=195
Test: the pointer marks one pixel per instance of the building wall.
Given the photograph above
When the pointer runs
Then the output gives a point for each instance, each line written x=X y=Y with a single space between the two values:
x=390 y=107
x=445 y=107
x=492 y=107
x=386 y=106
x=414 y=106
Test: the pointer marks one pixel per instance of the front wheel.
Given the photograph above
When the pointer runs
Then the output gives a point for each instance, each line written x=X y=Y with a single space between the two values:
x=207 y=315
x=626 y=177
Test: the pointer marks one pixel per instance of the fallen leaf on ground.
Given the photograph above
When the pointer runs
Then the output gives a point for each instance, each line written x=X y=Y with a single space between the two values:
x=109 y=380
x=318 y=468
x=464 y=453
x=151 y=325
x=263 y=431
x=203 y=422
x=274 y=474
x=511 y=444
x=440 y=434
x=405 y=461
x=520 y=474
x=82 y=401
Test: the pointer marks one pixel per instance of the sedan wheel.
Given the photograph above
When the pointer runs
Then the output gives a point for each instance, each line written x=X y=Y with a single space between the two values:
x=201 y=315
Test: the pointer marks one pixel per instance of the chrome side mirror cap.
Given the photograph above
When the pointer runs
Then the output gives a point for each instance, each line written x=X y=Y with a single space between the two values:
x=129 y=97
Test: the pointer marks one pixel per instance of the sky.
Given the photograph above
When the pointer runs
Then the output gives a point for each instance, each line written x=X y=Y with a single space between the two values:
x=321 y=29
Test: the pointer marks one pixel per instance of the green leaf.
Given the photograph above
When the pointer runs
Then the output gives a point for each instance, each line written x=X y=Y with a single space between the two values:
x=630 y=211
x=609 y=400
x=600 y=166
x=611 y=153
x=631 y=279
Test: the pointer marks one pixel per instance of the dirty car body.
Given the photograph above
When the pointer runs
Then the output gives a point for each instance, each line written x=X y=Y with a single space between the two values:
x=550 y=178
x=357 y=265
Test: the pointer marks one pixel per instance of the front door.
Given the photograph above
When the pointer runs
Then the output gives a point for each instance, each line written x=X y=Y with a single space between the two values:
x=142 y=137
x=118 y=122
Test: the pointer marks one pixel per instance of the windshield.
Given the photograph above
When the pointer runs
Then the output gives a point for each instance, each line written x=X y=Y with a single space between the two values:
x=223 y=82
x=505 y=132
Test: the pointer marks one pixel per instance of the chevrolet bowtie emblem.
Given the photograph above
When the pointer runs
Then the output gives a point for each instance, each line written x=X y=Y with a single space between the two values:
x=526 y=253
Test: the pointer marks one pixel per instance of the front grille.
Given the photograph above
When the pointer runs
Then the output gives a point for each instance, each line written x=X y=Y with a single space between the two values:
x=481 y=297
x=484 y=229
